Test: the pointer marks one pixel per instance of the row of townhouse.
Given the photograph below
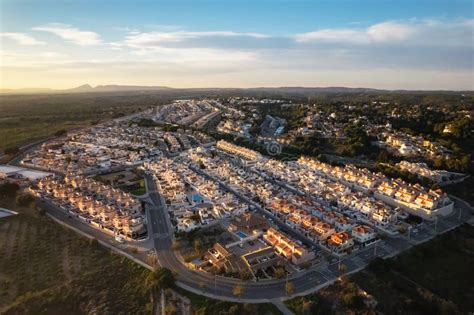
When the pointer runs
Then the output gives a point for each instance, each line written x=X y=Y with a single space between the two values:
x=172 y=142
x=107 y=208
x=190 y=194
x=422 y=170
x=323 y=226
x=97 y=149
x=301 y=213
x=354 y=177
x=328 y=191
x=288 y=248
x=238 y=150
x=254 y=188
x=183 y=112
x=415 y=199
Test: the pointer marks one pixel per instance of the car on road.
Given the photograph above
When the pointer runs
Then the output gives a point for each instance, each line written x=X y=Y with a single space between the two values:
x=119 y=239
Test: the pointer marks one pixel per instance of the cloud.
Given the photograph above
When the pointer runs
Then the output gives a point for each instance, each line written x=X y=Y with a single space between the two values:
x=333 y=35
x=411 y=32
x=188 y=60
x=71 y=34
x=22 y=39
x=432 y=51
x=391 y=31
x=186 y=38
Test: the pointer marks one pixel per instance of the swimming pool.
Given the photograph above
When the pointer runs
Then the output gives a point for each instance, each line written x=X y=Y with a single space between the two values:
x=196 y=198
x=241 y=234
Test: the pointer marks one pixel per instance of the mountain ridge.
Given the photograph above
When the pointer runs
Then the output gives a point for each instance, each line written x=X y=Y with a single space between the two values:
x=87 y=88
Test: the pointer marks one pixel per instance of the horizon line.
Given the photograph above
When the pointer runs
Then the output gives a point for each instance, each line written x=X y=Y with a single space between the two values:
x=5 y=90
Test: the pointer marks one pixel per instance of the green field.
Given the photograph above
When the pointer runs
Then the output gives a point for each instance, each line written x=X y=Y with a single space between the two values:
x=137 y=189
x=48 y=269
x=45 y=268
x=24 y=118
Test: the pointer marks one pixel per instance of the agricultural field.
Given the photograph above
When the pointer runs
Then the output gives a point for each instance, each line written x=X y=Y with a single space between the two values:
x=25 y=118
x=45 y=268
x=48 y=269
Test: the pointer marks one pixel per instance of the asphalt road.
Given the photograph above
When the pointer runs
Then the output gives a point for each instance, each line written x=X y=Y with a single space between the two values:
x=265 y=290
x=218 y=286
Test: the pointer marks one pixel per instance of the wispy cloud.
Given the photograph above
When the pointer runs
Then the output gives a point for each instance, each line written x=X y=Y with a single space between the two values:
x=396 y=32
x=385 y=53
x=158 y=39
x=71 y=34
x=22 y=39
x=389 y=31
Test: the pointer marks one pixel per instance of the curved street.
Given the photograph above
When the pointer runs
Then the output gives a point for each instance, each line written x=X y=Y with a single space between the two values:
x=218 y=287
x=305 y=282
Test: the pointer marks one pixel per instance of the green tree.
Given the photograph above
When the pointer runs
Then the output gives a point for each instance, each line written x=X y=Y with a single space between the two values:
x=197 y=244
x=307 y=307
x=171 y=309
x=280 y=272
x=246 y=275
x=9 y=189
x=12 y=150
x=24 y=200
x=289 y=288
x=196 y=217
x=162 y=278
x=175 y=244
x=238 y=290
x=60 y=132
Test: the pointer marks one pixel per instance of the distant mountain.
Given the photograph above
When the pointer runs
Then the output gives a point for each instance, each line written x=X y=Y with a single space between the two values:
x=114 y=88
x=296 y=89
x=86 y=88
x=79 y=89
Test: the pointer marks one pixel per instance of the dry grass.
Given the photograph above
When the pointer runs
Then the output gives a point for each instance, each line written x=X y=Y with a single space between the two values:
x=40 y=260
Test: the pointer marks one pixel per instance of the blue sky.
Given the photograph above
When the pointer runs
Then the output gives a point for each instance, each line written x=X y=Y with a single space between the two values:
x=383 y=44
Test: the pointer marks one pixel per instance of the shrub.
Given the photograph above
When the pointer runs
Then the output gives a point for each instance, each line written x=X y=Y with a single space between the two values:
x=24 y=200
x=9 y=189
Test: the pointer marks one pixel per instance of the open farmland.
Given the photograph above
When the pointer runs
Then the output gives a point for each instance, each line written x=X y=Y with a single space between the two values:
x=46 y=268
x=24 y=118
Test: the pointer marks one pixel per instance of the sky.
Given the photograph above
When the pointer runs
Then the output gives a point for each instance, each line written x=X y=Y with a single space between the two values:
x=384 y=44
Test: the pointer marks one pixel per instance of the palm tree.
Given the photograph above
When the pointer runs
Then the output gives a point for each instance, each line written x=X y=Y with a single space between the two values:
x=238 y=290
x=289 y=288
